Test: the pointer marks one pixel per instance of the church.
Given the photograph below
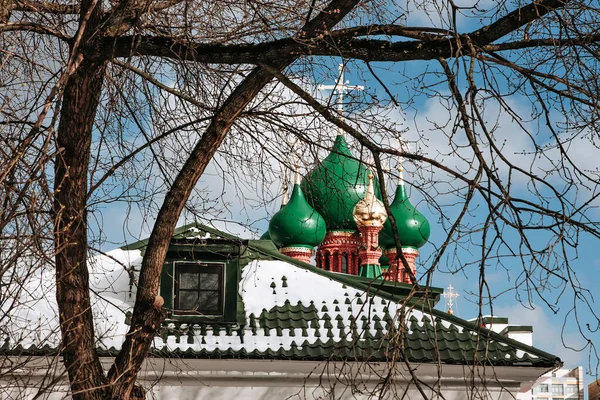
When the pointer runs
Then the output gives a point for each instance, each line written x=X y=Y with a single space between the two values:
x=255 y=319
x=342 y=214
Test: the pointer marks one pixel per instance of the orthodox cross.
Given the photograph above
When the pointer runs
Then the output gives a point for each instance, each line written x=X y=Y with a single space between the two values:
x=450 y=298
x=340 y=88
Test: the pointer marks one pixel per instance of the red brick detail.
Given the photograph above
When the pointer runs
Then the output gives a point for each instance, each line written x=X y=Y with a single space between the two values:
x=339 y=252
x=299 y=253
x=369 y=252
x=396 y=271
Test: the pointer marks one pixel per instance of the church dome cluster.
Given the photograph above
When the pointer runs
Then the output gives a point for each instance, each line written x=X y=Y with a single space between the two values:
x=338 y=208
x=332 y=206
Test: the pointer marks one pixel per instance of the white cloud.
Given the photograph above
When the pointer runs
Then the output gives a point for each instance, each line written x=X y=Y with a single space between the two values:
x=547 y=332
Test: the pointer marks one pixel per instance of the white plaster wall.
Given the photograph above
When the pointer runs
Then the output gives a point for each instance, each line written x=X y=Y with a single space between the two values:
x=338 y=391
x=523 y=337
x=278 y=380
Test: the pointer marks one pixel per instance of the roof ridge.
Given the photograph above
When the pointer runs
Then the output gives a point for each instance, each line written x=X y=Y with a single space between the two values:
x=374 y=287
x=181 y=229
x=494 y=335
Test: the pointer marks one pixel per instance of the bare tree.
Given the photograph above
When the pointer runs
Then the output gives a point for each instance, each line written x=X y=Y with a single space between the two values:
x=98 y=97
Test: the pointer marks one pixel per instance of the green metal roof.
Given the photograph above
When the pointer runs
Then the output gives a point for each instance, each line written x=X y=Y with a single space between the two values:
x=343 y=318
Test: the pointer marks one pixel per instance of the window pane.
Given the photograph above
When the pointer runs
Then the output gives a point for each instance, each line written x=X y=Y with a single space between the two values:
x=209 y=281
x=188 y=280
x=199 y=288
x=209 y=302
x=570 y=389
x=188 y=300
x=542 y=388
x=557 y=389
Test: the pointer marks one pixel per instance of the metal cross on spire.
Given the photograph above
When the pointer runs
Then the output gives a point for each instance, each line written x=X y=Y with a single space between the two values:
x=341 y=86
x=450 y=298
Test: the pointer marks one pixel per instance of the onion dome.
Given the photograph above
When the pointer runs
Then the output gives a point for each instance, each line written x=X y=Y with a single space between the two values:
x=413 y=227
x=284 y=201
x=336 y=185
x=297 y=223
x=370 y=211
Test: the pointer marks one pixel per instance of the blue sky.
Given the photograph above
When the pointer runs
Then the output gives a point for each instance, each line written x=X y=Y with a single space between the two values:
x=556 y=325
x=547 y=323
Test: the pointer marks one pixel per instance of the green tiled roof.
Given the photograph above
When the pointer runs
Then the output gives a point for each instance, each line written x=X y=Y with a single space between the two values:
x=294 y=311
x=376 y=339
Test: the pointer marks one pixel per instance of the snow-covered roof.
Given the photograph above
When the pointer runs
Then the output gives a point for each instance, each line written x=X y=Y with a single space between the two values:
x=291 y=310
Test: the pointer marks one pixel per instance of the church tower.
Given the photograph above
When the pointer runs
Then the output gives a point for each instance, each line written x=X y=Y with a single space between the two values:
x=333 y=188
x=370 y=215
x=337 y=207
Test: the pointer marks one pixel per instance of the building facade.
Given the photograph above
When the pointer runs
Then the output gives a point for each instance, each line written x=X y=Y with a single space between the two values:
x=247 y=322
x=252 y=319
x=594 y=390
x=560 y=384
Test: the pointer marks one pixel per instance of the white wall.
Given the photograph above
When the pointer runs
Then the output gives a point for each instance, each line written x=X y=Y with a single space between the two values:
x=277 y=380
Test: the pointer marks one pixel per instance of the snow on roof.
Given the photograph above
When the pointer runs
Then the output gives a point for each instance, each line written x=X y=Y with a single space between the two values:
x=290 y=312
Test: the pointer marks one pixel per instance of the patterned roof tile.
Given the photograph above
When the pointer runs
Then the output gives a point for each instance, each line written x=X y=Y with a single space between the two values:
x=338 y=318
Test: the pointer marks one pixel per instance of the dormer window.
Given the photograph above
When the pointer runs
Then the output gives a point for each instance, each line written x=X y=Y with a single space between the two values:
x=199 y=281
x=198 y=288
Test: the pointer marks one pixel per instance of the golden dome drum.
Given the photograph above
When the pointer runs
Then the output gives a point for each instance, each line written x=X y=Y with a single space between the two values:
x=370 y=211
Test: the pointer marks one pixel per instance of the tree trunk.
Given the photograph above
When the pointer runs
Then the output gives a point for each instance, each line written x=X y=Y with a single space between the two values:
x=147 y=311
x=74 y=136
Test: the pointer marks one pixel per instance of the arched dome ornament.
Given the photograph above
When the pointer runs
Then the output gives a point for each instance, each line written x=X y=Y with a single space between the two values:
x=413 y=227
x=370 y=211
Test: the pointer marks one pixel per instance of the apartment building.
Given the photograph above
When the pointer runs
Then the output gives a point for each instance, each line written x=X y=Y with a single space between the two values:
x=557 y=385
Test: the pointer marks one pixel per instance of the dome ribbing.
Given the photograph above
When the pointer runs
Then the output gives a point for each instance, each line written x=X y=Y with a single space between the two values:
x=335 y=186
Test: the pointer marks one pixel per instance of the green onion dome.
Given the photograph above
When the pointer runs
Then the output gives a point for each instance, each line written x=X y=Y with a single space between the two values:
x=284 y=201
x=413 y=227
x=297 y=224
x=335 y=186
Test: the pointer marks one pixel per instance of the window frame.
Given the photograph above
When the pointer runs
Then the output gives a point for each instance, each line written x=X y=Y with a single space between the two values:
x=541 y=388
x=573 y=386
x=558 y=389
x=209 y=250
x=180 y=267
